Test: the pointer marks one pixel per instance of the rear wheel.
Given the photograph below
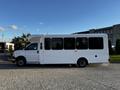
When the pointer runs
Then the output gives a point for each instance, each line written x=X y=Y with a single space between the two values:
x=20 y=62
x=82 y=62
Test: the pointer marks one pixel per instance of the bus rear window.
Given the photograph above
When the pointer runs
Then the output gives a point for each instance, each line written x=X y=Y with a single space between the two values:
x=95 y=43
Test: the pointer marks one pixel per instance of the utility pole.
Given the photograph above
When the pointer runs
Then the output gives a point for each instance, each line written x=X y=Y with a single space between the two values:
x=2 y=37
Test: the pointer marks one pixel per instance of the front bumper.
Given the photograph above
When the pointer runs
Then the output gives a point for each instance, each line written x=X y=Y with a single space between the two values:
x=13 y=59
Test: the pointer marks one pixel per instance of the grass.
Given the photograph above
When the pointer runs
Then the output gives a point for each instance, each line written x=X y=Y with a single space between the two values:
x=115 y=58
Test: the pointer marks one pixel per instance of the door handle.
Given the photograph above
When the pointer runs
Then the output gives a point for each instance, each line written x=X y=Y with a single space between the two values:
x=37 y=51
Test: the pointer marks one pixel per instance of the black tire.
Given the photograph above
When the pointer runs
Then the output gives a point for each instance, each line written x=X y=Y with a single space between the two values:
x=20 y=61
x=82 y=62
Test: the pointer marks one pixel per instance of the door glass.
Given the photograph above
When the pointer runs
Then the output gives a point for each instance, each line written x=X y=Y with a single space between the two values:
x=33 y=46
x=47 y=43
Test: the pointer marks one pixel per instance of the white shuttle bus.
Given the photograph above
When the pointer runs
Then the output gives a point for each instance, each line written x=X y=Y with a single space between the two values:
x=80 y=49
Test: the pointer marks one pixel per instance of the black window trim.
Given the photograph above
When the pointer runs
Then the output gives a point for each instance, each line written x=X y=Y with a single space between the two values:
x=96 y=48
x=52 y=43
x=64 y=43
x=45 y=43
x=82 y=48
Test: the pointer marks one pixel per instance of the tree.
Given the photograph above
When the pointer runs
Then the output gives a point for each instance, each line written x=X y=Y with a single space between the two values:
x=117 y=47
x=20 y=42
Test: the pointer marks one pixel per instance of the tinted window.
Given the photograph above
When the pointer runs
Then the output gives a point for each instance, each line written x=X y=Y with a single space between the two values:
x=57 y=43
x=41 y=45
x=47 y=43
x=69 y=43
x=33 y=46
x=95 y=43
x=81 y=43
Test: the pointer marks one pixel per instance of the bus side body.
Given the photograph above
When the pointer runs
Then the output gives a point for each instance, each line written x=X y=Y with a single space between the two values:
x=66 y=49
x=70 y=55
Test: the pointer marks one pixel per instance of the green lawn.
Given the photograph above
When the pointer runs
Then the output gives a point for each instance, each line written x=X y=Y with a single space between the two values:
x=114 y=58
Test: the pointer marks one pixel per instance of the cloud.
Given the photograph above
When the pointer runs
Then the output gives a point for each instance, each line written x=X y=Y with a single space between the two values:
x=2 y=29
x=41 y=23
x=13 y=27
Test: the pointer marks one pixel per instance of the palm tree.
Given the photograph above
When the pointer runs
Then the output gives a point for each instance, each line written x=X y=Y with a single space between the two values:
x=21 y=41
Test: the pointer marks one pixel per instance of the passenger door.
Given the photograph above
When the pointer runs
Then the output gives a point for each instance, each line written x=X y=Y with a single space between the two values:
x=59 y=52
x=53 y=53
x=32 y=53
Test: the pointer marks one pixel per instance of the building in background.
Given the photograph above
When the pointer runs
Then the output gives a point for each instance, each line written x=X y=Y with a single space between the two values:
x=112 y=31
x=9 y=46
x=4 y=46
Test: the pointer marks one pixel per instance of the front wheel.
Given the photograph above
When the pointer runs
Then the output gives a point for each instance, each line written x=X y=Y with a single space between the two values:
x=82 y=63
x=20 y=62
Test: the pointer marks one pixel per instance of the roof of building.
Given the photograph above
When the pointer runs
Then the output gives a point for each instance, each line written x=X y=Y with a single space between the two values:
x=99 y=29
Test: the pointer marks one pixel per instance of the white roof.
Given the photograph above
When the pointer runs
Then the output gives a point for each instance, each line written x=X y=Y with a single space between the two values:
x=36 y=38
x=68 y=35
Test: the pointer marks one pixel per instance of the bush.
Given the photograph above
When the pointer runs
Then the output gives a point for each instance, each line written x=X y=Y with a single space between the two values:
x=117 y=47
x=111 y=50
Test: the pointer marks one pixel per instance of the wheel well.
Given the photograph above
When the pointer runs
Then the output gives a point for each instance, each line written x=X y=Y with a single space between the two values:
x=82 y=58
x=20 y=57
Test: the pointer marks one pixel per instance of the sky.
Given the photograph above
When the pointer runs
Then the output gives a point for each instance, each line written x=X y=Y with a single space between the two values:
x=55 y=16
